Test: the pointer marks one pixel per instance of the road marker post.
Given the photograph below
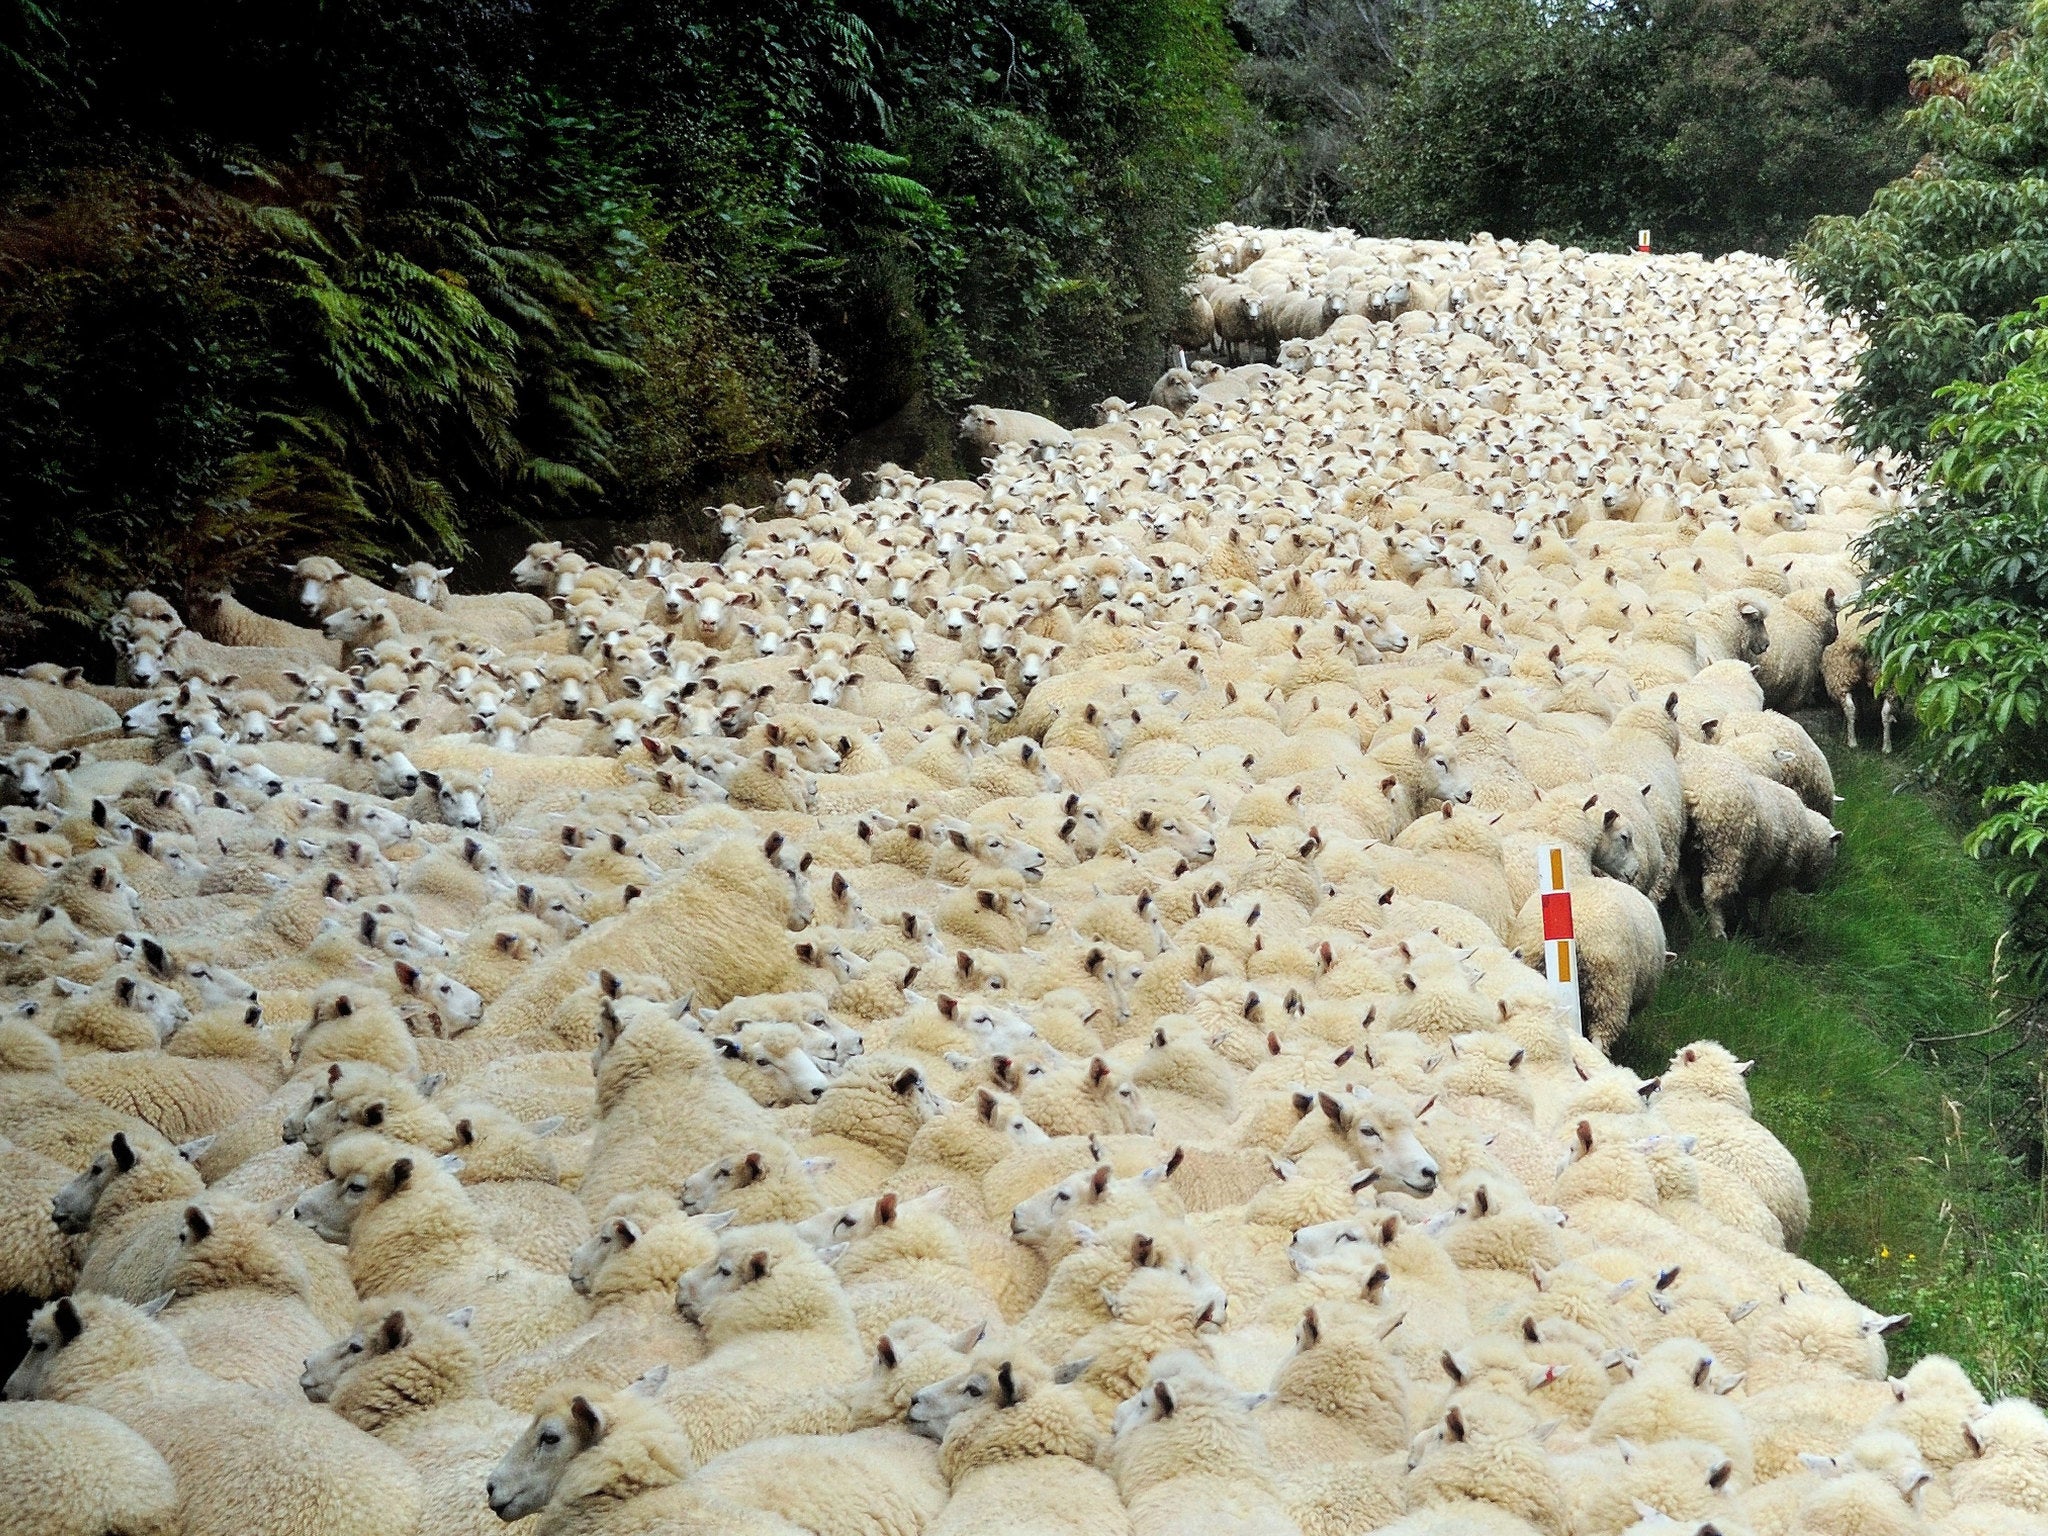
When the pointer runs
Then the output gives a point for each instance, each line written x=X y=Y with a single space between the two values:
x=1560 y=938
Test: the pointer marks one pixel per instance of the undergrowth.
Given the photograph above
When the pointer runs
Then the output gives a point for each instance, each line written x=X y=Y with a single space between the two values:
x=1884 y=1065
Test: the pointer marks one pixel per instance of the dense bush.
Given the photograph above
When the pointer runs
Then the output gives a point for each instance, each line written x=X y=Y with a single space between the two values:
x=1959 y=588
x=1717 y=123
x=1943 y=273
x=362 y=276
x=1943 y=255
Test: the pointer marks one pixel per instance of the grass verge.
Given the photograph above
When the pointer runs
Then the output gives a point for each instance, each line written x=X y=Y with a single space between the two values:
x=1882 y=1066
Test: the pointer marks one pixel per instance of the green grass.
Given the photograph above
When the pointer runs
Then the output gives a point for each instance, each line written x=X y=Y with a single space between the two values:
x=1870 y=1011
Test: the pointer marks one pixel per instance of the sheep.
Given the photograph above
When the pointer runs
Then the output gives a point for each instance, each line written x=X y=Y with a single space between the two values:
x=1163 y=802
x=1187 y=1446
x=607 y=1464
x=1016 y=1448
x=409 y=1227
x=241 y=1463
x=776 y=1323
x=233 y=1278
x=67 y=1470
x=1620 y=950
x=664 y=1107
x=412 y=1378
x=628 y=1267
x=985 y=430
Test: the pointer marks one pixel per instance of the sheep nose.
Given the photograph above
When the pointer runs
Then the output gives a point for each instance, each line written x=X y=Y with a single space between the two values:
x=817 y=1093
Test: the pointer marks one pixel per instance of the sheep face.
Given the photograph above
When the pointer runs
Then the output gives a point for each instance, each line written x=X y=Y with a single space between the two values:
x=1033 y=1221
x=73 y=1206
x=391 y=771
x=525 y=1479
x=331 y=1209
x=939 y=1404
x=50 y=1332
x=463 y=800
x=1614 y=852
x=703 y=1189
x=1382 y=1133
x=699 y=1288
x=1441 y=778
x=325 y=1368
x=28 y=775
x=1331 y=1245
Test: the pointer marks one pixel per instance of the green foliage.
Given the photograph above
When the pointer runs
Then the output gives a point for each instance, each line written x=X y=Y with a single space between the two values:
x=363 y=277
x=1514 y=116
x=1890 y=1065
x=1717 y=123
x=1942 y=255
x=1959 y=593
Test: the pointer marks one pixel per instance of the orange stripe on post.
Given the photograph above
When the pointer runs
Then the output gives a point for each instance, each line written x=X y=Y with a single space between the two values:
x=1564 y=961
x=1557 y=869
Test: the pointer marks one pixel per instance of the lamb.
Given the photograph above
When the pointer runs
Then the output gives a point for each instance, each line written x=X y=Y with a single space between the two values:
x=221 y=1442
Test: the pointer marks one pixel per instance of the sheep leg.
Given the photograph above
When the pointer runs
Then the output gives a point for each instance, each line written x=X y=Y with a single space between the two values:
x=1887 y=712
x=1718 y=887
x=1849 y=716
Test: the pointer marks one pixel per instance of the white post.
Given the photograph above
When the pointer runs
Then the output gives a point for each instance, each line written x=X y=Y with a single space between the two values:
x=1560 y=942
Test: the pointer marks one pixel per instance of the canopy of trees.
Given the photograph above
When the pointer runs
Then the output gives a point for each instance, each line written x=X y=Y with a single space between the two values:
x=1717 y=123
x=359 y=275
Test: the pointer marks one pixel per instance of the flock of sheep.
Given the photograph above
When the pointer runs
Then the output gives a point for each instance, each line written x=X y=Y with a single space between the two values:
x=1005 y=1007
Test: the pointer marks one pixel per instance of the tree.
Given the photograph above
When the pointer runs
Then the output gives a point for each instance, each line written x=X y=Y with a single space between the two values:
x=1943 y=255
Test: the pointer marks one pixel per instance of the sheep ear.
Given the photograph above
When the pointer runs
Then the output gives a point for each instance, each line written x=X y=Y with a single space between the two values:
x=759 y=1265
x=548 y=1126
x=124 y=1154
x=198 y=1223
x=149 y=1308
x=191 y=1151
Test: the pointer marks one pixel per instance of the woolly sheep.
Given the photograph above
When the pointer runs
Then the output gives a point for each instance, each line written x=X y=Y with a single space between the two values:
x=242 y=1463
